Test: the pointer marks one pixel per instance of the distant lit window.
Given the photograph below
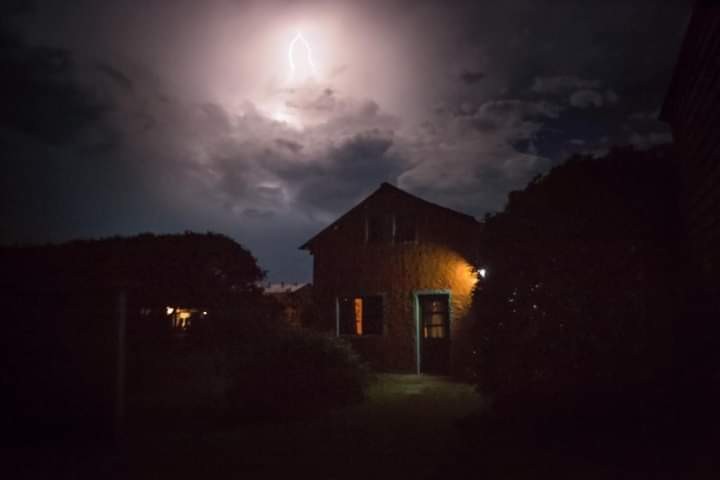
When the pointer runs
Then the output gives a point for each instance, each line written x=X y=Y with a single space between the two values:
x=379 y=229
x=181 y=318
x=361 y=315
x=405 y=229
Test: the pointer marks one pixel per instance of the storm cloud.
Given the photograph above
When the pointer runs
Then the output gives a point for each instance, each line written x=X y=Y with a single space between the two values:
x=151 y=116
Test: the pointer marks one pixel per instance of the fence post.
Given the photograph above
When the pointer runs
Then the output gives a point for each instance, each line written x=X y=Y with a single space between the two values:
x=120 y=321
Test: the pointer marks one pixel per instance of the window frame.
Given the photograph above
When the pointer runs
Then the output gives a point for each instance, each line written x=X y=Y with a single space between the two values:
x=341 y=324
x=428 y=318
x=418 y=320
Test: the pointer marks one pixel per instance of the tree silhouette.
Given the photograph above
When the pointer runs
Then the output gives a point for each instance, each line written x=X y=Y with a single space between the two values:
x=188 y=269
x=582 y=287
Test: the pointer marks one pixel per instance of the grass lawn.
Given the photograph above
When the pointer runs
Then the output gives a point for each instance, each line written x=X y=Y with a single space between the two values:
x=406 y=429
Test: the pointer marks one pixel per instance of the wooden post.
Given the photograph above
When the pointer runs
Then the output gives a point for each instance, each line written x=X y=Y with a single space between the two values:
x=120 y=321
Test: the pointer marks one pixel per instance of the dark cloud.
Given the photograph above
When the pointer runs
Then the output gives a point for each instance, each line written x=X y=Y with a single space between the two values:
x=40 y=95
x=517 y=118
x=258 y=214
x=561 y=84
x=353 y=168
x=470 y=77
x=650 y=139
x=216 y=117
x=294 y=147
x=586 y=98
x=146 y=116
x=118 y=77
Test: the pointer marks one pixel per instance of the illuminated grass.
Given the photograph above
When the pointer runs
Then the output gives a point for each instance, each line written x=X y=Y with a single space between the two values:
x=406 y=429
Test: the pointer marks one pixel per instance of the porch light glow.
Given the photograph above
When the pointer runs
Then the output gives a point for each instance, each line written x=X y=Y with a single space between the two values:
x=465 y=275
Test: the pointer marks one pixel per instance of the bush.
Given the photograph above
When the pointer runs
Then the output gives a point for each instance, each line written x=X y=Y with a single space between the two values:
x=171 y=384
x=272 y=374
x=293 y=372
x=581 y=297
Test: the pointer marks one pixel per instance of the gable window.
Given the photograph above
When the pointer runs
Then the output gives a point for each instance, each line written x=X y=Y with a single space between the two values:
x=360 y=315
x=379 y=229
x=405 y=229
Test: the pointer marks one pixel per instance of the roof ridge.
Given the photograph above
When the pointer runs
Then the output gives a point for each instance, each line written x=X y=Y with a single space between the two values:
x=427 y=201
x=388 y=186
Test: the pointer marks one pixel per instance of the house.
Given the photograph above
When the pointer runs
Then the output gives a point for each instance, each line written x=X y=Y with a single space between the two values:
x=692 y=109
x=393 y=275
x=295 y=299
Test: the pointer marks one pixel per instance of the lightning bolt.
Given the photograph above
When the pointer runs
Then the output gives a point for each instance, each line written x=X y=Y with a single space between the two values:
x=298 y=38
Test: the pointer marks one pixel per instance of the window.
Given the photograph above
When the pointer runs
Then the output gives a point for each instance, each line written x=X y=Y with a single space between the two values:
x=379 y=229
x=405 y=230
x=360 y=315
x=435 y=316
x=181 y=318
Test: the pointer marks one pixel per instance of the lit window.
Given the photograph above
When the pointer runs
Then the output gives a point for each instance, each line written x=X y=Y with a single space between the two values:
x=435 y=316
x=358 y=316
x=181 y=318
x=361 y=315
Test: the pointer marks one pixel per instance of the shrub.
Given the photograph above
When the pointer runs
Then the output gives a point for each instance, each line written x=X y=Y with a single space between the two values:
x=176 y=384
x=273 y=374
x=292 y=372
x=581 y=296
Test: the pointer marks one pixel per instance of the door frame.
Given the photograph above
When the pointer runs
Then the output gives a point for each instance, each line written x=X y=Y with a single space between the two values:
x=418 y=328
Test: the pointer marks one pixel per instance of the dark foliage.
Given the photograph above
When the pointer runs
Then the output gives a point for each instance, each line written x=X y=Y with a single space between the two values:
x=583 y=283
x=236 y=363
x=265 y=374
x=57 y=377
x=293 y=372
x=60 y=342
x=189 y=269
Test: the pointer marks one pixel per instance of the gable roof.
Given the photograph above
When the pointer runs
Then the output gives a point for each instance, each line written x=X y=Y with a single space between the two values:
x=387 y=187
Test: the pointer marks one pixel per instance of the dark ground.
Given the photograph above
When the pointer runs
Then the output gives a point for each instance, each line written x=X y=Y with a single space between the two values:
x=410 y=427
x=406 y=429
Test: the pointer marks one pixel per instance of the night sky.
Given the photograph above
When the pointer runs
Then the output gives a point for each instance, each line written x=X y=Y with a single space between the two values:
x=266 y=120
